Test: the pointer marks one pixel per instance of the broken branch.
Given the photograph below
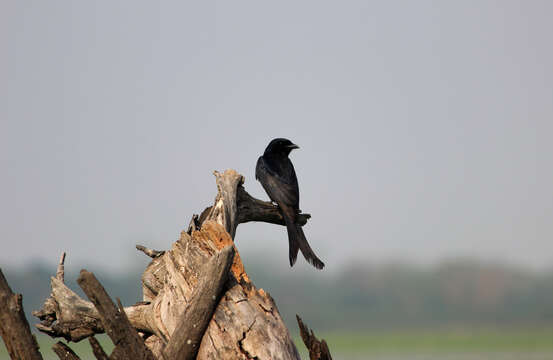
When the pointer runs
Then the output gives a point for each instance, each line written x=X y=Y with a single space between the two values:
x=97 y=349
x=114 y=319
x=150 y=252
x=185 y=340
x=64 y=352
x=318 y=349
x=14 y=328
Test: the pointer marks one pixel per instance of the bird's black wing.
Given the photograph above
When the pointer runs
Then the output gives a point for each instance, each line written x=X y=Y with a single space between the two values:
x=281 y=190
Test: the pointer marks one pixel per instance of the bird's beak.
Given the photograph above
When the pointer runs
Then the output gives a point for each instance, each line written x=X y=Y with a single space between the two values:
x=293 y=146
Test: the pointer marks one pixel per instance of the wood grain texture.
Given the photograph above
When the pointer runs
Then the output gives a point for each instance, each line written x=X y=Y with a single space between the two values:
x=185 y=340
x=14 y=328
x=245 y=322
x=64 y=352
x=97 y=349
x=114 y=319
x=318 y=349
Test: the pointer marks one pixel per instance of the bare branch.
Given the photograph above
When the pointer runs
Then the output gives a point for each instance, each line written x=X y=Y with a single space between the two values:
x=234 y=206
x=64 y=352
x=318 y=350
x=150 y=252
x=65 y=314
x=252 y=209
x=225 y=209
x=194 y=224
x=114 y=319
x=14 y=328
x=60 y=273
x=185 y=340
x=97 y=350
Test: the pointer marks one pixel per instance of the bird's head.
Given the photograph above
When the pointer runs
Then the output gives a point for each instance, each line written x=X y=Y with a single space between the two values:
x=280 y=146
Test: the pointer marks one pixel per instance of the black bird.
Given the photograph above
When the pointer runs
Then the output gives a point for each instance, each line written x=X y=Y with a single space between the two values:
x=276 y=173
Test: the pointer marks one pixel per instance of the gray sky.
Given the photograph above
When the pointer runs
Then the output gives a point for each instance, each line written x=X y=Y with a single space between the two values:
x=424 y=126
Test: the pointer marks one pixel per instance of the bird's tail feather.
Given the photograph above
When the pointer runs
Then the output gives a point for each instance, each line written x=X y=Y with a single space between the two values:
x=293 y=247
x=306 y=250
x=297 y=241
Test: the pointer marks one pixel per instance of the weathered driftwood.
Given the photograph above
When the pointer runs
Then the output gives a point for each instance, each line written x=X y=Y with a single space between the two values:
x=97 y=349
x=318 y=349
x=234 y=206
x=14 y=328
x=245 y=324
x=64 y=352
x=150 y=252
x=186 y=338
x=124 y=336
x=60 y=272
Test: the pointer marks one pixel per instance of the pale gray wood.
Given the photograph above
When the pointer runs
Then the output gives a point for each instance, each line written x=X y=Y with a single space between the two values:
x=114 y=319
x=245 y=324
x=150 y=252
x=234 y=206
x=60 y=272
x=185 y=340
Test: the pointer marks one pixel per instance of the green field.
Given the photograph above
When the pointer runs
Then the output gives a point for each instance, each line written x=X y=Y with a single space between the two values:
x=443 y=341
x=531 y=344
x=528 y=344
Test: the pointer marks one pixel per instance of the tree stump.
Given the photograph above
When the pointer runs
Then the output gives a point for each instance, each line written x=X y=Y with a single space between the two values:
x=245 y=322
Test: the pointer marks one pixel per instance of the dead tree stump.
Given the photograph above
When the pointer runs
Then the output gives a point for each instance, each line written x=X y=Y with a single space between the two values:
x=236 y=320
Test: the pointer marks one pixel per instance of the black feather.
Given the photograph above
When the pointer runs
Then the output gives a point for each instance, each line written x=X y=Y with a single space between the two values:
x=275 y=172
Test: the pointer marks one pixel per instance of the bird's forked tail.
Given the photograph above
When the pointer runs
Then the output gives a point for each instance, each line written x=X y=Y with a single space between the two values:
x=297 y=240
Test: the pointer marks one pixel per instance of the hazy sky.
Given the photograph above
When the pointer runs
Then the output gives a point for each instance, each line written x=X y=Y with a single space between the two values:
x=425 y=126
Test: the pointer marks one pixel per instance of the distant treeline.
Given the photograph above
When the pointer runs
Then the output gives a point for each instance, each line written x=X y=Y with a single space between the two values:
x=456 y=293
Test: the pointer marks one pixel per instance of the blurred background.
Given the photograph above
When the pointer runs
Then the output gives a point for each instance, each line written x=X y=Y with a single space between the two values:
x=425 y=160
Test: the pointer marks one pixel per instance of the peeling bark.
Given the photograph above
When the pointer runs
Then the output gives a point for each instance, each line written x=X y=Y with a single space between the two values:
x=245 y=323
x=186 y=338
